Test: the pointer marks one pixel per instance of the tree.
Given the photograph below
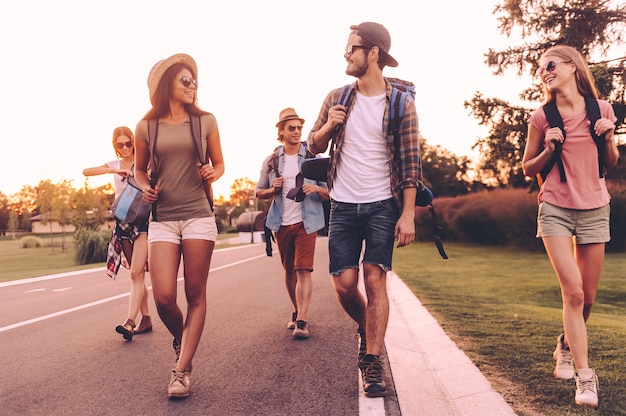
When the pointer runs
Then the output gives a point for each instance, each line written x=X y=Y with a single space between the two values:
x=443 y=172
x=4 y=213
x=594 y=27
x=91 y=206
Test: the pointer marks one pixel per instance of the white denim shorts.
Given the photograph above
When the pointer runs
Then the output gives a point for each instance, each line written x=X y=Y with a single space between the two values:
x=175 y=231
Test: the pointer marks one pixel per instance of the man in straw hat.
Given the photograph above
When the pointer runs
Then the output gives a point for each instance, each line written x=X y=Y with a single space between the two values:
x=373 y=184
x=296 y=214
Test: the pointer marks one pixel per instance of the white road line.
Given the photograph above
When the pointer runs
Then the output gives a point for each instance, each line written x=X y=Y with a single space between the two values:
x=88 y=305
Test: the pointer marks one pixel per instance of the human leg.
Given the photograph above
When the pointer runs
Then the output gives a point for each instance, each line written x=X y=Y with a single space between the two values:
x=304 y=248
x=164 y=259
x=127 y=329
x=561 y=253
x=285 y=239
x=590 y=259
x=377 y=311
x=196 y=259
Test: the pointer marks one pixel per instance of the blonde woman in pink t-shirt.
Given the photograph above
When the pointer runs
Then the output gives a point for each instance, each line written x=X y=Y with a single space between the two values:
x=573 y=217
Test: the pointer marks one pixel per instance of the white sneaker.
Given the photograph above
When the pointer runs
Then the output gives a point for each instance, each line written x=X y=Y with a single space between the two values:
x=587 y=388
x=564 y=361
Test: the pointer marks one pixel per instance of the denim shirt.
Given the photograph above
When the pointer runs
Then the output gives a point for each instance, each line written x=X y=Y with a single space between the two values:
x=312 y=209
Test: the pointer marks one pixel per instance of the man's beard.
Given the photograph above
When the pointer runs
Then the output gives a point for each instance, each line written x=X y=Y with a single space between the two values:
x=358 y=72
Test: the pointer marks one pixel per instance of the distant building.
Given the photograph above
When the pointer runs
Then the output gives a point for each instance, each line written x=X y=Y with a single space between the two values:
x=38 y=226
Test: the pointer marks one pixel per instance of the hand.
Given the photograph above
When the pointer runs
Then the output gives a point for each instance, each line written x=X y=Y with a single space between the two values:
x=124 y=173
x=207 y=172
x=604 y=126
x=336 y=115
x=404 y=232
x=277 y=184
x=553 y=136
x=309 y=189
x=150 y=195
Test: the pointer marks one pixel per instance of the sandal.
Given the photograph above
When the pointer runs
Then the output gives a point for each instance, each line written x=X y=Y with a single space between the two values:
x=127 y=329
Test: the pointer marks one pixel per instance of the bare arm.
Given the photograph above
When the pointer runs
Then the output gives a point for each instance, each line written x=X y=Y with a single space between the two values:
x=611 y=153
x=539 y=149
x=101 y=170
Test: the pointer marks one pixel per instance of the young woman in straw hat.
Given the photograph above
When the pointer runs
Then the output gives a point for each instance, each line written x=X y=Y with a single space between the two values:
x=184 y=222
x=133 y=238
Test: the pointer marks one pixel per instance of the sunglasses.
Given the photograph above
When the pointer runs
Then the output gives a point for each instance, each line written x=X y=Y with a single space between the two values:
x=294 y=128
x=188 y=81
x=550 y=66
x=120 y=146
x=350 y=48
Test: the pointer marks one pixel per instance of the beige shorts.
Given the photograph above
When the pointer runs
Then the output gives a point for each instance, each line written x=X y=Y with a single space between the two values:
x=589 y=226
x=176 y=231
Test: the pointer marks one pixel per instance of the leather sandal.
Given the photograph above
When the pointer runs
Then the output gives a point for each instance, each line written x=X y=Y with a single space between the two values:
x=144 y=326
x=127 y=329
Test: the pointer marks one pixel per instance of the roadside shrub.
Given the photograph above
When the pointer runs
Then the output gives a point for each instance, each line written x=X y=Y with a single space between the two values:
x=506 y=217
x=91 y=246
x=31 y=242
x=618 y=218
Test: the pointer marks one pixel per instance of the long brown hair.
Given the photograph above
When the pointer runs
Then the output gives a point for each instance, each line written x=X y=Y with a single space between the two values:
x=584 y=79
x=163 y=91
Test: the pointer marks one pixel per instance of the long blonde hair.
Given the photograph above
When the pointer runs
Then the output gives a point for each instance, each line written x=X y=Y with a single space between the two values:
x=584 y=80
x=123 y=131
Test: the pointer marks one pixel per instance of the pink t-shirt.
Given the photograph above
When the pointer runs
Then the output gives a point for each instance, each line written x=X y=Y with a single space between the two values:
x=583 y=188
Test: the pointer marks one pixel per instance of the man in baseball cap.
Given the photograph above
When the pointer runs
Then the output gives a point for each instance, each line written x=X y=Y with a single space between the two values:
x=373 y=180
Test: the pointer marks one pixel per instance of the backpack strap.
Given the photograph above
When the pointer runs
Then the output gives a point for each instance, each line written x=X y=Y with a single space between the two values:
x=593 y=114
x=196 y=133
x=554 y=120
x=425 y=198
x=153 y=128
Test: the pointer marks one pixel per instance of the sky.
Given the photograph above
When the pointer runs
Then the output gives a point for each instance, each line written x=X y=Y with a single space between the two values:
x=73 y=70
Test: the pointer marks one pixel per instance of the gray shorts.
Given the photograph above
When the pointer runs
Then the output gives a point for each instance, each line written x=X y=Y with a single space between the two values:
x=589 y=226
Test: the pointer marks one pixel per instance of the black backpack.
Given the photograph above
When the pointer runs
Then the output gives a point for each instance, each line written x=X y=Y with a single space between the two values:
x=555 y=120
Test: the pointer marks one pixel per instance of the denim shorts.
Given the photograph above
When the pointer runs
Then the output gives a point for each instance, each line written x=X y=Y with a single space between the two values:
x=589 y=226
x=175 y=231
x=352 y=224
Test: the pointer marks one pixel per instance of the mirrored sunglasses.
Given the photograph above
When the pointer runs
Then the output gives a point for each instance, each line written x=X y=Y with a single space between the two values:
x=550 y=66
x=188 y=81
x=294 y=128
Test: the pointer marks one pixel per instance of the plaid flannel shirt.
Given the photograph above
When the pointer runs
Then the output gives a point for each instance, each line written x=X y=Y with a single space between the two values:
x=404 y=157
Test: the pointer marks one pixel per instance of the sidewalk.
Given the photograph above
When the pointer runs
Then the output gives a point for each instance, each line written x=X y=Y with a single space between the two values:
x=432 y=376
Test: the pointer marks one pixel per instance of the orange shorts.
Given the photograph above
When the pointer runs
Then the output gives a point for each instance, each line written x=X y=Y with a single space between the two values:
x=296 y=247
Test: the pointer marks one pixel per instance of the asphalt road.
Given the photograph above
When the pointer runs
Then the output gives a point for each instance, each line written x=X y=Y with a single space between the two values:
x=60 y=355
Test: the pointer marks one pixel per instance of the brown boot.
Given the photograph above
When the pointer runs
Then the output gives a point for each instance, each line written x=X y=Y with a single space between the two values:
x=145 y=325
x=127 y=329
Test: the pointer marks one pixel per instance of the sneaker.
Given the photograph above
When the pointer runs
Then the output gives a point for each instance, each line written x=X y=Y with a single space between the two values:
x=372 y=374
x=179 y=384
x=144 y=326
x=301 y=330
x=586 y=388
x=176 y=346
x=564 y=361
x=362 y=345
x=126 y=329
x=292 y=324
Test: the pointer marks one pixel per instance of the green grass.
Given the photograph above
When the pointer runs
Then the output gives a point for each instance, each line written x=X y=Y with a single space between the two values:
x=503 y=308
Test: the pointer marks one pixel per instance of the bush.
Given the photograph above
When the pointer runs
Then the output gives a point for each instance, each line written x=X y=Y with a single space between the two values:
x=31 y=242
x=506 y=217
x=91 y=246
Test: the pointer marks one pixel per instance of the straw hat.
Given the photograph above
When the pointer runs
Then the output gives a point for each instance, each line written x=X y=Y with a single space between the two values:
x=288 y=114
x=157 y=71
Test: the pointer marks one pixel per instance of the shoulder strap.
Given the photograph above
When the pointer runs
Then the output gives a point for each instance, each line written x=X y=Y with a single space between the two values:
x=593 y=114
x=196 y=133
x=554 y=120
x=153 y=127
